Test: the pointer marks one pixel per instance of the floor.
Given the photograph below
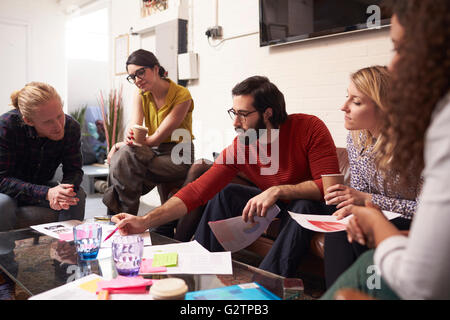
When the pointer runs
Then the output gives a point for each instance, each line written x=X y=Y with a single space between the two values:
x=95 y=206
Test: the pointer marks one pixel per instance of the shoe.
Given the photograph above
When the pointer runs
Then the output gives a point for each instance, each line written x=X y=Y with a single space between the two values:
x=100 y=186
x=7 y=288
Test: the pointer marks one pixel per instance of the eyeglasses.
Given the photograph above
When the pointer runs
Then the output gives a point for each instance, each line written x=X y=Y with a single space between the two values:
x=242 y=116
x=138 y=74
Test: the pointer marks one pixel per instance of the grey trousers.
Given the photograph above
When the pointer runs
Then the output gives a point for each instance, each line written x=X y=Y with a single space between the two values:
x=135 y=171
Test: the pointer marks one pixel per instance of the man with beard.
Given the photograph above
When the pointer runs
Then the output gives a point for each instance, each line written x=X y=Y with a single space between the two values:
x=283 y=155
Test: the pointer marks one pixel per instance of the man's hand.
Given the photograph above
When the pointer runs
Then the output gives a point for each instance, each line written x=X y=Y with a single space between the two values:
x=62 y=197
x=258 y=206
x=129 y=224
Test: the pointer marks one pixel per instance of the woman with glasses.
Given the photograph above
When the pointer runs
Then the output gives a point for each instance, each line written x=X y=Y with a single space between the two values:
x=165 y=106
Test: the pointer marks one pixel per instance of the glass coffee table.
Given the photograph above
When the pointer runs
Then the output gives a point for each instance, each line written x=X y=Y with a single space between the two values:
x=41 y=263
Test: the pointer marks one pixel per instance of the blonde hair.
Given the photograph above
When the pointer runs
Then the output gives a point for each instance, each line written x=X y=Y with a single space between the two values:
x=31 y=96
x=373 y=82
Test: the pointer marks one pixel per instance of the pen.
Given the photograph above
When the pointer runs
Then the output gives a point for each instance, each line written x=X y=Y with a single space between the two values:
x=109 y=236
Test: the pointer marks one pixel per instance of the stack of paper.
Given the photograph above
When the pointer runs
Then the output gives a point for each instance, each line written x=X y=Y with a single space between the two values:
x=86 y=289
x=185 y=258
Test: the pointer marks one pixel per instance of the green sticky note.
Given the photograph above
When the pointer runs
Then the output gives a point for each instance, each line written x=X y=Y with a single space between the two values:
x=165 y=260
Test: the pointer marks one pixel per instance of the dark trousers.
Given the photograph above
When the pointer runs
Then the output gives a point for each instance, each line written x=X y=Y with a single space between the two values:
x=340 y=254
x=293 y=241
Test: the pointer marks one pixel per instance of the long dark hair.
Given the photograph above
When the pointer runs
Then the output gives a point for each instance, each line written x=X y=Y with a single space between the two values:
x=420 y=80
x=146 y=58
x=265 y=95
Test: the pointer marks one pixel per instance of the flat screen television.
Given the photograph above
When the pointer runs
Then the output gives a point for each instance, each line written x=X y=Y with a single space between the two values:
x=284 y=21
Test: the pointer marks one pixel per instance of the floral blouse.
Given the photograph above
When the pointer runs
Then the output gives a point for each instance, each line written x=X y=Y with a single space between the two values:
x=365 y=178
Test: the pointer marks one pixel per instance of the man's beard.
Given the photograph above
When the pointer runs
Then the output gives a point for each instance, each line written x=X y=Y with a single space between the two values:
x=251 y=135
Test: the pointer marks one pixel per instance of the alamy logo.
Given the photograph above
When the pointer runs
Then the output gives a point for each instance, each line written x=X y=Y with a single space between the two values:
x=374 y=279
x=374 y=21
x=251 y=147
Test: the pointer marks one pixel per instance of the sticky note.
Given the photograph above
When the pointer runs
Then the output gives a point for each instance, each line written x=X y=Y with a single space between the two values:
x=66 y=236
x=146 y=267
x=165 y=260
x=90 y=286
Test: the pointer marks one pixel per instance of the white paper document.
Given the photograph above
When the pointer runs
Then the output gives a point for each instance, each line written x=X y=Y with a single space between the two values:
x=75 y=290
x=192 y=259
x=327 y=224
x=63 y=230
x=234 y=234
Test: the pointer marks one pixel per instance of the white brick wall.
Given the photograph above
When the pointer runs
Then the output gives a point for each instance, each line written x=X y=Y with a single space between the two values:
x=313 y=75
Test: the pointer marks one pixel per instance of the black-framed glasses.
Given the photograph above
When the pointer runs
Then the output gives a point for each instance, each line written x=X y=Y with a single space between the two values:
x=241 y=115
x=138 y=74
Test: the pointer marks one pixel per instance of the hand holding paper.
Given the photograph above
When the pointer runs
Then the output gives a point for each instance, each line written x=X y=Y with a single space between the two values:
x=235 y=234
x=327 y=224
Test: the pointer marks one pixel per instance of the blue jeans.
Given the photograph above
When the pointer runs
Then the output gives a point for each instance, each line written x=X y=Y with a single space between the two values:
x=290 y=246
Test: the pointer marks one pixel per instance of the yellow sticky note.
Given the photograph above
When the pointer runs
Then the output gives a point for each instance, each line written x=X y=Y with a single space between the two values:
x=165 y=260
x=90 y=286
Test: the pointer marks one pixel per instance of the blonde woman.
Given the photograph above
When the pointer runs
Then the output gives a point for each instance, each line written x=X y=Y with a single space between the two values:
x=36 y=137
x=364 y=114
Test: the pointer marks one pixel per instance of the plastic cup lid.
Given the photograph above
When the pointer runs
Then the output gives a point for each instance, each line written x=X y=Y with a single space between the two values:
x=170 y=287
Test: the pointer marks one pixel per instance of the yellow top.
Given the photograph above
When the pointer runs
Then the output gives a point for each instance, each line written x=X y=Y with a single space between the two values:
x=153 y=117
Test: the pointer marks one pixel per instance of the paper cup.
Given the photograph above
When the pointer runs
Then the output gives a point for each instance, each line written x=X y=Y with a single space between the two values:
x=139 y=133
x=329 y=180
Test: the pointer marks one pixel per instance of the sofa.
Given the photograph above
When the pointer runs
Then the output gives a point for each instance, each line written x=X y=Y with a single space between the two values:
x=313 y=263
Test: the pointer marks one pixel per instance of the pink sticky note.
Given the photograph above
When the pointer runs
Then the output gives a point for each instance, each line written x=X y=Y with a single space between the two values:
x=66 y=236
x=146 y=267
x=124 y=283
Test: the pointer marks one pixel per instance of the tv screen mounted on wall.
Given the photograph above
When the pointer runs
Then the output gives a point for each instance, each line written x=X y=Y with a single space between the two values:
x=285 y=21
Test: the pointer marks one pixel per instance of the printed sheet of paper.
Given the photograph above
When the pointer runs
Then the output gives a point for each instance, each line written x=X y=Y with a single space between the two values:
x=192 y=259
x=234 y=234
x=327 y=224
x=64 y=231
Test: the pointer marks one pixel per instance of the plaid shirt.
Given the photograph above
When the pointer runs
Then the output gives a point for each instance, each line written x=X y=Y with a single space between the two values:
x=29 y=162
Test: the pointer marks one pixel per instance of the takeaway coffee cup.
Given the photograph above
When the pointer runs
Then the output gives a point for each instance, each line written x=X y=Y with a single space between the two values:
x=139 y=133
x=329 y=180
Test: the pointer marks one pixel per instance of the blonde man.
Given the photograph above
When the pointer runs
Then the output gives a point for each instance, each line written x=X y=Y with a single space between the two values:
x=35 y=139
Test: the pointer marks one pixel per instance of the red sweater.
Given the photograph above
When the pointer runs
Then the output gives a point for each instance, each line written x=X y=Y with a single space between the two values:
x=306 y=151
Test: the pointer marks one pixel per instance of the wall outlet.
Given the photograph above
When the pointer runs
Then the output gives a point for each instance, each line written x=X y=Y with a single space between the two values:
x=214 y=32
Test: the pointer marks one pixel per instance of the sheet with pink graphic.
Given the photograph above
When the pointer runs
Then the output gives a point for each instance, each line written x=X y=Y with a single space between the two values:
x=329 y=224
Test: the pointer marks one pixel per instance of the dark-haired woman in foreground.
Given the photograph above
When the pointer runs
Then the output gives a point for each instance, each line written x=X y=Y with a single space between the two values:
x=165 y=106
x=418 y=142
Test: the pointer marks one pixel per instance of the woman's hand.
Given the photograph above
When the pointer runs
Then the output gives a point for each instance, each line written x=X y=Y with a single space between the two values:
x=369 y=226
x=258 y=206
x=343 y=196
x=62 y=197
x=113 y=150
x=129 y=140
